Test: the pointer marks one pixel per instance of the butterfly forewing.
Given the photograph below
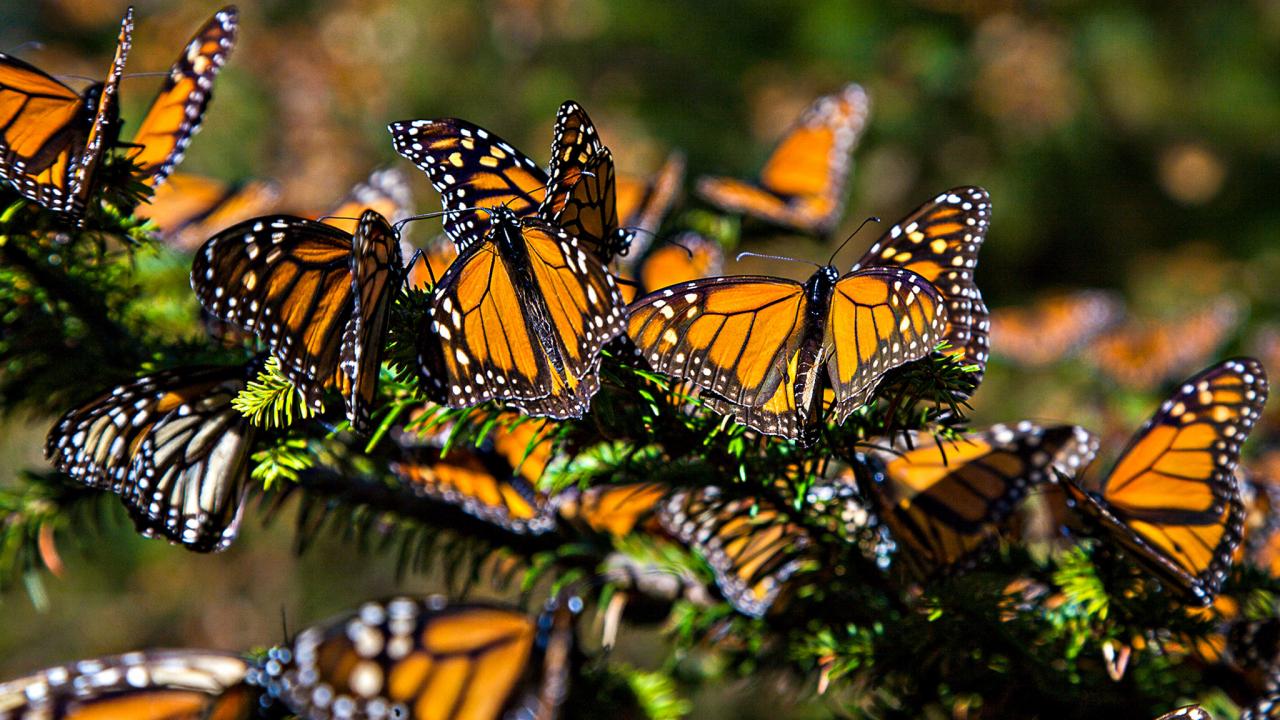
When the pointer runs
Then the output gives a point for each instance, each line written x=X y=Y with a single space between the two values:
x=879 y=319
x=470 y=167
x=171 y=446
x=147 y=685
x=375 y=268
x=573 y=145
x=753 y=548
x=611 y=509
x=464 y=480
x=385 y=191
x=288 y=280
x=940 y=241
x=1054 y=327
x=590 y=211
x=189 y=208
x=175 y=115
x=1172 y=497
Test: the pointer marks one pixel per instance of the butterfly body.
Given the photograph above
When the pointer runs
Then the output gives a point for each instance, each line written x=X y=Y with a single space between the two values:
x=758 y=347
x=521 y=317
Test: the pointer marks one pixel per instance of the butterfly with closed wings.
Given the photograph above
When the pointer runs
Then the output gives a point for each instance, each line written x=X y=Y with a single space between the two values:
x=802 y=184
x=171 y=446
x=318 y=297
x=476 y=172
x=1172 y=499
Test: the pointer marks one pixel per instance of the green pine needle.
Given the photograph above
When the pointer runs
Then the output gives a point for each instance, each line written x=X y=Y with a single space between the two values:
x=270 y=400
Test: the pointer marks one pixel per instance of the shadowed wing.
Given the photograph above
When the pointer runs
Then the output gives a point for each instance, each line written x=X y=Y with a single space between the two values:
x=940 y=241
x=171 y=446
x=574 y=144
x=375 y=269
x=175 y=115
x=288 y=280
x=1172 y=498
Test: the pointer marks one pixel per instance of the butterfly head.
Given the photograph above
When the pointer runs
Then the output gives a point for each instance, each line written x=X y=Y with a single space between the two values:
x=502 y=215
x=821 y=283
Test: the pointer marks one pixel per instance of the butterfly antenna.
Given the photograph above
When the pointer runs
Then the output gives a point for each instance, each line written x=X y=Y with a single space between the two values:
x=77 y=77
x=871 y=218
x=155 y=73
x=783 y=258
x=424 y=216
x=322 y=218
x=420 y=254
x=687 y=250
x=284 y=624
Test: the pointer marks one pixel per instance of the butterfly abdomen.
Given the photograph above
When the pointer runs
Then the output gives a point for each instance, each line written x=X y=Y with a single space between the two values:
x=808 y=391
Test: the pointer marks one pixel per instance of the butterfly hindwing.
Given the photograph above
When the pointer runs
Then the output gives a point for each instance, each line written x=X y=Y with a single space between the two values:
x=187 y=208
x=940 y=241
x=470 y=167
x=171 y=446
x=375 y=268
x=752 y=547
x=802 y=185
x=590 y=211
x=175 y=115
x=945 y=500
x=1172 y=498
x=147 y=685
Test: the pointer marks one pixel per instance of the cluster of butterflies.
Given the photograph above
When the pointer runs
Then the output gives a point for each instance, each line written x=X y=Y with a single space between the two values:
x=1133 y=352
x=405 y=657
x=539 y=272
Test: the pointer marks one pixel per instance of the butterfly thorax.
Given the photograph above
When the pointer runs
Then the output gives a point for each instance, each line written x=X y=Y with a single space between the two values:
x=818 y=290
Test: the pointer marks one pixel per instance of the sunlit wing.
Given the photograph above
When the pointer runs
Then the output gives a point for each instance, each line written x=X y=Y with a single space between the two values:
x=52 y=140
x=1172 y=498
x=879 y=319
x=171 y=446
x=525 y=446
x=752 y=547
x=684 y=258
x=945 y=500
x=470 y=167
x=574 y=145
x=375 y=272
x=146 y=685
x=175 y=115
x=421 y=659
x=802 y=185
x=288 y=280
x=1054 y=327
x=939 y=241
x=737 y=337
x=429 y=264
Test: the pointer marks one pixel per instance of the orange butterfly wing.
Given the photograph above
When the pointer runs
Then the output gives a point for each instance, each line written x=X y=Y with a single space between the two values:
x=611 y=509
x=175 y=115
x=642 y=206
x=375 y=268
x=386 y=191
x=187 y=209
x=590 y=211
x=940 y=241
x=464 y=480
x=1172 y=497
x=1054 y=327
x=574 y=144
x=687 y=257
x=802 y=184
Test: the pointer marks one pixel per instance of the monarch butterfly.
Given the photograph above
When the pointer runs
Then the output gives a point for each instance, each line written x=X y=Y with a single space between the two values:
x=482 y=488
x=1054 y=327
x=147 y=685
x=171 y=446
x=758 y=346
x=939 y=241
x=802 y=185
x=1172 y=499
x=752 y=547
x=686 y=257
x=475 y=171
x=421 y=658
x=187 y=208
x=614 y=510
x=51 y=138
x=521 y=318
x=1142 y=355
x=175 y=115
x=317 y=296
x=946 y=501
x=643 y=204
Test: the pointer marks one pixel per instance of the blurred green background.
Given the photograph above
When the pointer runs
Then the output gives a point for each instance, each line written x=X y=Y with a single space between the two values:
x=1126 y=145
